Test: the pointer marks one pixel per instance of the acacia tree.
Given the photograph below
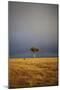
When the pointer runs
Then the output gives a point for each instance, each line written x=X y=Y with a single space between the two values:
x=34 y=50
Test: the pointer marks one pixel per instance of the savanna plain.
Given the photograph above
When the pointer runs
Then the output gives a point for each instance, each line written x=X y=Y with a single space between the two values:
x=33 y=72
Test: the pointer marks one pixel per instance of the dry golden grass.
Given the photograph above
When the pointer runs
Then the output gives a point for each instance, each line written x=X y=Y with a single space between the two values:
x=30 y=72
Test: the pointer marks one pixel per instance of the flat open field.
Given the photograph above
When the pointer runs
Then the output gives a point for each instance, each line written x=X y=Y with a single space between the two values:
x=30 y=72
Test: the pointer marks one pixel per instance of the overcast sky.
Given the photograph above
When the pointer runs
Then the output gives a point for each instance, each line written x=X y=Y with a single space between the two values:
x=32 y=24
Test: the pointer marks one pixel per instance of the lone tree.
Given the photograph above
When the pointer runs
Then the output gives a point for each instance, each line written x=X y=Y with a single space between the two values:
x=34 y=50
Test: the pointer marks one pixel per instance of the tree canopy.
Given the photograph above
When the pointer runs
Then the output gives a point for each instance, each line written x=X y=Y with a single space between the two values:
x=33 y=49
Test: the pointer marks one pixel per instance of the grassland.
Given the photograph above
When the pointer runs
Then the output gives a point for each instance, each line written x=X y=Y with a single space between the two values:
x=31 y=72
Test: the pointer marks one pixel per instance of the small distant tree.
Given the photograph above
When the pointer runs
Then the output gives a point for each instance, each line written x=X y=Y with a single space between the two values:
x=34 y=50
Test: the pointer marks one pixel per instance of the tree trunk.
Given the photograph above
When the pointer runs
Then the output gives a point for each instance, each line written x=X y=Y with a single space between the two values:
x=34 y=55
